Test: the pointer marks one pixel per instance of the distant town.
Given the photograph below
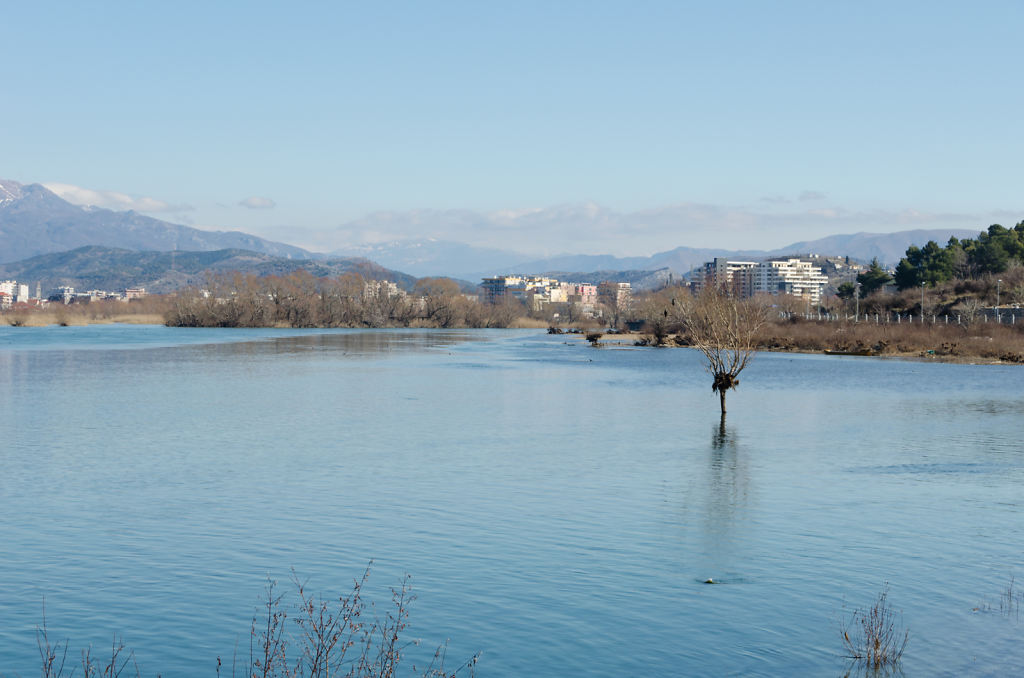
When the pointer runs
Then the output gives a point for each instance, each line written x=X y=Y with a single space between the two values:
x=806 y=277
x=15 y=296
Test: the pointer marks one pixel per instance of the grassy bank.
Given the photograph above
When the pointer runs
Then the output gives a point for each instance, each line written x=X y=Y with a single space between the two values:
x=980 y=342
x=148 y=311
x=46 y=318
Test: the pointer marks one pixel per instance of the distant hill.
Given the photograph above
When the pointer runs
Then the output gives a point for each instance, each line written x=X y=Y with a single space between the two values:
x=429 y=257
x=679 y=260
x=34 y=220
x=889 y=248
x=638 y=280
x=462 y=261
x=113 y=269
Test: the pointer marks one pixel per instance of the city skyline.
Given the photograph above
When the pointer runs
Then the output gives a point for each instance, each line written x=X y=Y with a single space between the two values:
x=593 y=127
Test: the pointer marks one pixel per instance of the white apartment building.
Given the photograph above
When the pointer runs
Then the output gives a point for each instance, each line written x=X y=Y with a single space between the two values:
x=789 y=276
x=381 y=288
x=776 y=276
x=520 y=286
x=617 y=294
x=727 y=275
x=15 y=292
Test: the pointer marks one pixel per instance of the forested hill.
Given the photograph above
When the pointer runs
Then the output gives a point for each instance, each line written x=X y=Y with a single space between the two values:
x=108 y=268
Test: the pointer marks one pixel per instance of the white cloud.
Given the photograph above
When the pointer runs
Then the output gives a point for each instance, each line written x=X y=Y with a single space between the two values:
x=589 y=228
x=258 y=203
x=76 y=195
x=811 y=196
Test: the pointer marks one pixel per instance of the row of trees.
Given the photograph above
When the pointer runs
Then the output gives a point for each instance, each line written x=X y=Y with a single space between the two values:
x=303 y=300
x=991 y=253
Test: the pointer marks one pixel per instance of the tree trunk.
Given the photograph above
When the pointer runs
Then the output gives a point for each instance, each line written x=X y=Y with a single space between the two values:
x=721 y=396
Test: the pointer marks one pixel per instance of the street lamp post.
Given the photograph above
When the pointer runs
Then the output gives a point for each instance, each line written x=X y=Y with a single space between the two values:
x=998 y=283
x=922 y=302
x=856 y=295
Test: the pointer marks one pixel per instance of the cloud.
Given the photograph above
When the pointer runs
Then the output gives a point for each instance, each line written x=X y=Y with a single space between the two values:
x=810 y=196
x=258 y=203
x=76 y=195
x=589 y=228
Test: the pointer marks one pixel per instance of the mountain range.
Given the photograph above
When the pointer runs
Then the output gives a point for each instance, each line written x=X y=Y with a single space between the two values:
x=438 y=257
x=34 y=221
x=107 y=268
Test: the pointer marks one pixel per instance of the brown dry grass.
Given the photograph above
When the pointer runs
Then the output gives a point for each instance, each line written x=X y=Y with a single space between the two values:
x=58 y=317
x=981 y=342
x=985 y=341
x=148 y=311
x=529 y=323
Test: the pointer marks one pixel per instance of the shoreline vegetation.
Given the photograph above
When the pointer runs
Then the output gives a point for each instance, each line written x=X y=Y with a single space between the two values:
x=958 y=317
x=989 y=343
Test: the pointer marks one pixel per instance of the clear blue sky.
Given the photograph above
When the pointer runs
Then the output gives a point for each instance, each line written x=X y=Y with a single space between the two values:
x=669 y=123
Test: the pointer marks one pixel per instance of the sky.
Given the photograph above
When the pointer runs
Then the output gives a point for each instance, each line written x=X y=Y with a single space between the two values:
x=588 y=127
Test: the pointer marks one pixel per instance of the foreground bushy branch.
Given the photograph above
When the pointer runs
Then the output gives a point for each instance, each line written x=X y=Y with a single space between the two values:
x=875 y=637
x=318 y=638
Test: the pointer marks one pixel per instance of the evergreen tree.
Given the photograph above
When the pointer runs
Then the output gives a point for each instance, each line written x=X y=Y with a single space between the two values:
x=873 y=279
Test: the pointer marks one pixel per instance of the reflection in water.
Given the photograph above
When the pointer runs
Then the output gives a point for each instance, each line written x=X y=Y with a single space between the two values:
x=364 y=344
x=718 y=498
x=861 y=669
x=728 y=479
x=721 y=437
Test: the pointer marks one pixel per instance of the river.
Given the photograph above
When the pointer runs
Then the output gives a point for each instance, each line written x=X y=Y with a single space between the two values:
x=558 y=506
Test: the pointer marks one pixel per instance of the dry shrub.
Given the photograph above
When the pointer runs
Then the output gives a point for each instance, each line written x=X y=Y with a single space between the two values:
x=340 y=636
x=875 y=637
x=1010 y=600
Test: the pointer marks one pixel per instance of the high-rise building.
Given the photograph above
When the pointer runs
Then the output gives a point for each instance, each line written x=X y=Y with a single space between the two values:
x=791 y=276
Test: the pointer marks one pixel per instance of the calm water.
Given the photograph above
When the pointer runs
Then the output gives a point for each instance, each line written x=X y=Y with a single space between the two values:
x=557 y=505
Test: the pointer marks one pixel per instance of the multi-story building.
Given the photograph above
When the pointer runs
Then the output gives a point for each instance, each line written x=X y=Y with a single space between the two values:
x=789 y=276
x=539 y=290
x=584 y=294
x=776 y=276
x=64 y=294
x=520 y=287
x=727 y=275
x=615 y=294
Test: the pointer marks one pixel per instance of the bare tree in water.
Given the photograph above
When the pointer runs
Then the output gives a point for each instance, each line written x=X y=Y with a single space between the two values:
x=724 y=329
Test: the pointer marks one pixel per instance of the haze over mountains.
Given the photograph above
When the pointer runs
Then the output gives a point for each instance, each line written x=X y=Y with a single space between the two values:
x=118 y=245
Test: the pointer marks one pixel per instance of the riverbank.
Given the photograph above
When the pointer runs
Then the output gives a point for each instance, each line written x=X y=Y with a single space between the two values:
x=46 y=318
x=979 y=343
